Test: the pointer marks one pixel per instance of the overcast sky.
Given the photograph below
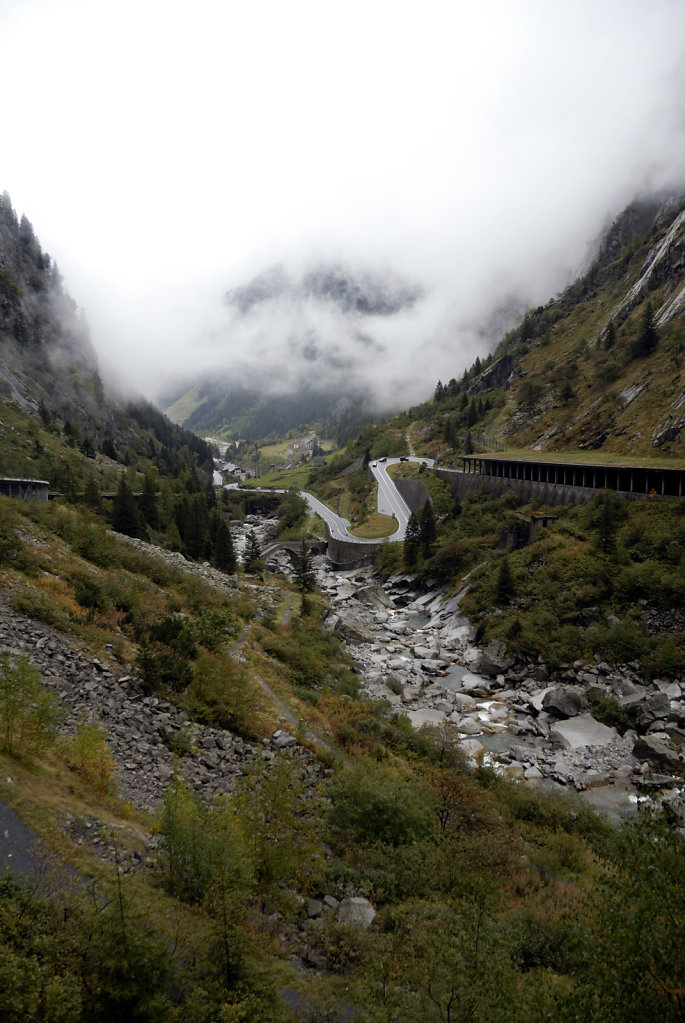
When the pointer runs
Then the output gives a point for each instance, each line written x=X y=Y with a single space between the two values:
x=168 y=151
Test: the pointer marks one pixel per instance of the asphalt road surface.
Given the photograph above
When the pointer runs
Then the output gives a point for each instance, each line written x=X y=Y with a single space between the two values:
x=390 y=502
x=19 y=846
x=336 y=524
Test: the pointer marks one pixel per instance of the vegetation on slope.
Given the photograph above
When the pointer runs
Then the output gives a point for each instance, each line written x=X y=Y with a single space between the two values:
x=606 y=579
x=493 y=902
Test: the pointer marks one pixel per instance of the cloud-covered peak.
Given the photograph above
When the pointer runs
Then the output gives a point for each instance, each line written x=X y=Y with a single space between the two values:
x=352 y=292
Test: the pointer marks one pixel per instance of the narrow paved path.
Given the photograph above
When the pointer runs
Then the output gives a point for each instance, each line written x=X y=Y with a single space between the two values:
x=20 y=848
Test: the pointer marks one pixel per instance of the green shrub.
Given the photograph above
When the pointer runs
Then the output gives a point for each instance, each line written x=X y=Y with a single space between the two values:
x=220 y=694
x=215 y=626
x=28 y=712
x=36 y=605
x=375 y=803
x=545 y=940
x=619 y=642
x=89 y=754
x=666 y=658
x=162 y=666
x=201 y=845
x=312 y=656
x=175 y=632
x=91 y=596
x=10 y=541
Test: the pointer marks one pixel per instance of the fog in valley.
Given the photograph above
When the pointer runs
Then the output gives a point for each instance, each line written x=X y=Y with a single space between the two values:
x=371 y=193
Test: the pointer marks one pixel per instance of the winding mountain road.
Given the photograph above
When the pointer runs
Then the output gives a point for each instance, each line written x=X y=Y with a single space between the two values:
x=390 y=502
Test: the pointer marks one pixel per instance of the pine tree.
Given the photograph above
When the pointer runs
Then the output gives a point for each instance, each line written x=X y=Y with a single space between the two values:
x=428 y=529
x=196 y=526
x=125 y=515
x=610 y=336
x=252 y=559
x=223 y=556
x=148 y=501
x=505 y=583
x=451 y=432
x=472 y=413
x=411 y=541
x=87 y=448
x=305 y=576
x=109 y=450
x=648 y=336
x=210 y=495
x=91 y=494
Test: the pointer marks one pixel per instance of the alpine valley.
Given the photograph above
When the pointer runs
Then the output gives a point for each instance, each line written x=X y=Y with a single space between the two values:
x=250 y=771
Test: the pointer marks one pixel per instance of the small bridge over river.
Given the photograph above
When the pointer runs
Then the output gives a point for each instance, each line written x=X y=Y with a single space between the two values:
x=294 y=547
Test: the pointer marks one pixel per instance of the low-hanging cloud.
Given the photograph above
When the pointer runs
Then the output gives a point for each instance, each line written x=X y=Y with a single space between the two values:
x=468 y=154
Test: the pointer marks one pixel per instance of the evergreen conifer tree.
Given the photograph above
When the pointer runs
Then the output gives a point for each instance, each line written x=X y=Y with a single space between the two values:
x=223 y=555
x=125 y=515
x=648 y=336
x=505 y=583
x=412 y=539
x=610 y=336
x=304 y=569
x=91 y=494
x=252 y=559
x=428 y=529
x=148 y=501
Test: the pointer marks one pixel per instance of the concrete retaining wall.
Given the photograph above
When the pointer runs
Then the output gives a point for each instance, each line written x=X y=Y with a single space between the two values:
x=350 y=554
x=462 y=483
x=414 y=493
x=24 y=489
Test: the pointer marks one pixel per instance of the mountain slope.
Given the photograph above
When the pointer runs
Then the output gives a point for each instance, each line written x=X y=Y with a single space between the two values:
x=582 y=378
x=598 y=368
x=50 y=381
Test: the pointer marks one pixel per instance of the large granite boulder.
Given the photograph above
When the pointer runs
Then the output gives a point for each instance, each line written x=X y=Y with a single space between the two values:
x=494 y=659
x=658 y=750
x=564 y=701
x=374 y=595
x=354 y=631
x=582 y=730
x=654 y=707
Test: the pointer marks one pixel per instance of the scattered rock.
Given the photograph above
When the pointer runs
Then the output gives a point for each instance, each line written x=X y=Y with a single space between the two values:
x=356 y=911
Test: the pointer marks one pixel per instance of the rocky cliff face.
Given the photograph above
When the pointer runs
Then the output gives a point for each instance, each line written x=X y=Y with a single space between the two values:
x=45 y=350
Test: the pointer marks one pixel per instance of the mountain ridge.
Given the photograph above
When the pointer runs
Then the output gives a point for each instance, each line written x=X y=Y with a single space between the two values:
x=597 y=368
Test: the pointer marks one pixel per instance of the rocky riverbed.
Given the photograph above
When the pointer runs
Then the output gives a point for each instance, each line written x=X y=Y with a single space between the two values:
x=415 y=650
